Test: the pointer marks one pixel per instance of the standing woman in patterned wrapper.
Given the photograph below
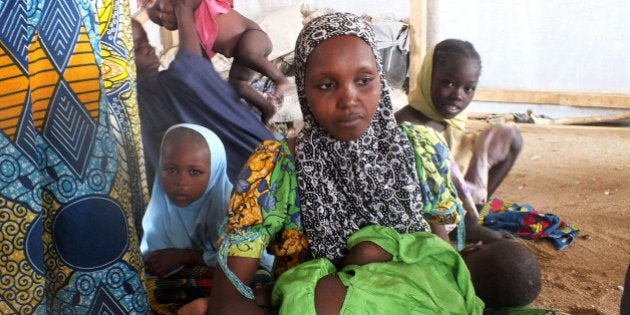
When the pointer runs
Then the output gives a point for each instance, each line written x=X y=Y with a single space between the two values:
x=71 y=179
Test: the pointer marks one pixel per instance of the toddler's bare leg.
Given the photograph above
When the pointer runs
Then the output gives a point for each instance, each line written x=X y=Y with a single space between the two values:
x=495 y=152
x=253 y=48
x=329 y=295
x=239 y=78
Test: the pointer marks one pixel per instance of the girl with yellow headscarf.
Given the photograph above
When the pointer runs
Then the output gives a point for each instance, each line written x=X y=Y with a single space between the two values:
x=445 y=87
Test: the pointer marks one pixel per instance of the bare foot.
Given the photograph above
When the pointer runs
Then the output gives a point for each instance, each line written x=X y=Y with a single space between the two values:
x=280 y=88
x=274 y=105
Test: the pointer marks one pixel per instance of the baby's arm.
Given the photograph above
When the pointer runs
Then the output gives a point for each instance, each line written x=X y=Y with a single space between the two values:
x=366 y=252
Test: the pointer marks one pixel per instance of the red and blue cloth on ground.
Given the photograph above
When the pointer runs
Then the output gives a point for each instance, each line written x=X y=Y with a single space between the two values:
x=526 y=222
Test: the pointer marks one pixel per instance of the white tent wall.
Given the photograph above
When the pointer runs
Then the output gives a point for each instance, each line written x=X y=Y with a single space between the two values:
x=556 y=58
x=535 y=53
x=541 y=44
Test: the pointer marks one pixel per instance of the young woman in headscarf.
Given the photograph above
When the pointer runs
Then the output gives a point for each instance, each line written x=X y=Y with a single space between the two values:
x=350 y=166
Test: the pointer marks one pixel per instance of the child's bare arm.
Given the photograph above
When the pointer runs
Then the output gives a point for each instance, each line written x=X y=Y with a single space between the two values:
x=365 y=253
x=463 y=190
x=188 y=38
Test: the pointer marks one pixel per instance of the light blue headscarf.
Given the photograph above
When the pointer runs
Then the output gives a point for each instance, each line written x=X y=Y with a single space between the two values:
x=195 y=226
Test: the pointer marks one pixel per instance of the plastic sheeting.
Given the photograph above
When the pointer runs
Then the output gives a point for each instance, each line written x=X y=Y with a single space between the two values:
x=547 y=45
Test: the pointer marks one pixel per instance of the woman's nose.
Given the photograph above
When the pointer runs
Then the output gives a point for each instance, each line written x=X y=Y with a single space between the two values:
x=348 y=96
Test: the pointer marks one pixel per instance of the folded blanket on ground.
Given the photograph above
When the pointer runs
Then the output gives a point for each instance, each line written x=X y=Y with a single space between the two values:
x=526 y=222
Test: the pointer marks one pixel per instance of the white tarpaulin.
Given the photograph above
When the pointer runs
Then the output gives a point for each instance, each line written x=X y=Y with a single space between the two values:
x=552 y=45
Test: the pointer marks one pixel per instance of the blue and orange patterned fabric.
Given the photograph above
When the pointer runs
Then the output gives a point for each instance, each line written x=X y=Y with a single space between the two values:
x=72 y=189
x=524 y=221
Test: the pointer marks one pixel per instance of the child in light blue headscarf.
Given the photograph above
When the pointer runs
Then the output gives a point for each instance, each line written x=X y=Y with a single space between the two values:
x=188 y=204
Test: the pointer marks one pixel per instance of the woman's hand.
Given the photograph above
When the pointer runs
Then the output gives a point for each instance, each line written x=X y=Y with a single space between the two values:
x=226 y=299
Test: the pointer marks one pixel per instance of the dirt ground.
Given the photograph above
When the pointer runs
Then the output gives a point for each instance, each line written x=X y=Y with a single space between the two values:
x=582 y=175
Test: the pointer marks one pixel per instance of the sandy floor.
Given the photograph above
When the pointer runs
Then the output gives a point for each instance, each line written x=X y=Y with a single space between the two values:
x=582 y=175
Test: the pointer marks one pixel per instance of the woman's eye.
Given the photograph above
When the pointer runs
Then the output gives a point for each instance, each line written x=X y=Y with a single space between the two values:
x=325 y=86
x=365 y=81
x=195 y=172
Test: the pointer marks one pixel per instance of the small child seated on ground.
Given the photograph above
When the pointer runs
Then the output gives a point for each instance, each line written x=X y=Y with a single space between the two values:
x=504 y=274
x=224 y=30
x=181 y=224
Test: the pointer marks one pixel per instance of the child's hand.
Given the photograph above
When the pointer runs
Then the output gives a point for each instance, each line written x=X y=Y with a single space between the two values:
x=162 y=262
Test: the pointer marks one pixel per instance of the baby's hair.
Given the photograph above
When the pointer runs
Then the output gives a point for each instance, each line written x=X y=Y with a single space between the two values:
x=448 y=48
x=506 y=274
x=181 y=134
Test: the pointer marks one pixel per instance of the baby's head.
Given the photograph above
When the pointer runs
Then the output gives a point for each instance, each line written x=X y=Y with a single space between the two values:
x=185 y=165
x=504 y=273
x=456 y=71
x=161 y=13
x=147 y=61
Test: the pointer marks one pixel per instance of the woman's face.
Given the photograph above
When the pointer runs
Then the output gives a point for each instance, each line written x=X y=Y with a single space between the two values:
x=147 y=61
x=342 y=86
x=185 y=171
x=453 y=85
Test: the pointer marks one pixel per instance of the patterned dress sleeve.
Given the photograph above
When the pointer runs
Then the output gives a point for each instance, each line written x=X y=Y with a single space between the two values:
x=441 y=202
x=264 y=212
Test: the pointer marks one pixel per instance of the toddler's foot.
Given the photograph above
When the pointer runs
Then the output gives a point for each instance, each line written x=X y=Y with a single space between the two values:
x=271 y=109
x=281 y=87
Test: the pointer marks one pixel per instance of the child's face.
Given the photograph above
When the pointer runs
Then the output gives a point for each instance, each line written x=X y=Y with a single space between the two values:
x=343 y=89
x=146 y=59
x=453 y=85
x=185 y=171
x=161 y=13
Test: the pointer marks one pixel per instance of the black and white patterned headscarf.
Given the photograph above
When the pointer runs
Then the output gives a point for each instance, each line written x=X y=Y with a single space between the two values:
x=346 y=185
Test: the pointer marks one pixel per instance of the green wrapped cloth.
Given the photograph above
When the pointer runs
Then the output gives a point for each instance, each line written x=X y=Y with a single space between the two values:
x=425 y=276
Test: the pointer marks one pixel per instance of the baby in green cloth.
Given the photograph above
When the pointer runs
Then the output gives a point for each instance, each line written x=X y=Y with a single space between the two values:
x=432 y=277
